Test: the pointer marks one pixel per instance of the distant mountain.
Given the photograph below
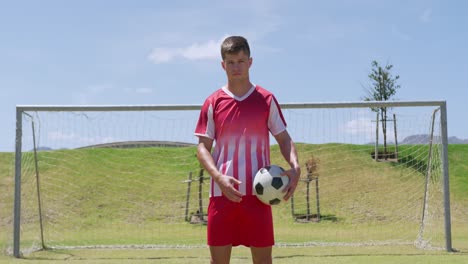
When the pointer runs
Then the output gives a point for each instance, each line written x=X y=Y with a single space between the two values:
x=424 y=139
x=455 y=140
x=43 y=148
x=128 y=144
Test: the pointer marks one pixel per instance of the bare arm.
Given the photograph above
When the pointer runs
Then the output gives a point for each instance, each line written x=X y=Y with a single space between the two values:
x=288 y=150
x=225 y=182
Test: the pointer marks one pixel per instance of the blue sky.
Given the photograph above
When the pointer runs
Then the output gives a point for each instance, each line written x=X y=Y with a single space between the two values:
x=167 y=52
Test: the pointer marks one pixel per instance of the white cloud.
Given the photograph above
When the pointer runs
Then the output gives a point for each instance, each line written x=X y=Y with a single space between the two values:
x=359 y=126
x=208 y=50
x=255 y=20
x=161 y=55
x=426 y=15
x=364 y=129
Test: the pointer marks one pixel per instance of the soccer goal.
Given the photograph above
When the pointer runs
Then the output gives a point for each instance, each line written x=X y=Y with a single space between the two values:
x=128 y=177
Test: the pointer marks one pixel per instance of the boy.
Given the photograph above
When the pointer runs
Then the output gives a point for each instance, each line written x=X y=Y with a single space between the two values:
x=239 y=117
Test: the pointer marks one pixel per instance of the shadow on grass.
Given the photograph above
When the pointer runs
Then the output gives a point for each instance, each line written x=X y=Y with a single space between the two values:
x=314 y=218
x=418 y=165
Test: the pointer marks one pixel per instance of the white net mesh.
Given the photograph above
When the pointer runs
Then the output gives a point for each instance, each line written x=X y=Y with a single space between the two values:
x=132 y=179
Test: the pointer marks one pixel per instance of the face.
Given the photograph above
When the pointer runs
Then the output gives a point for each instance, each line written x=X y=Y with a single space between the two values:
x=237 y=66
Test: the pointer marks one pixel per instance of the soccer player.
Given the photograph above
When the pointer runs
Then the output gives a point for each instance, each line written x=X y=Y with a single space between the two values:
x=239 y=118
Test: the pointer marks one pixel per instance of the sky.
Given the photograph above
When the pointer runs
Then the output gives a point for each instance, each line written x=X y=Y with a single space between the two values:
x=167 y=52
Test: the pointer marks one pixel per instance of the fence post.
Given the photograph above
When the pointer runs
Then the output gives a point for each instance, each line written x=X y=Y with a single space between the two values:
x=317 y=197
x=200 y=196
x=187 y=202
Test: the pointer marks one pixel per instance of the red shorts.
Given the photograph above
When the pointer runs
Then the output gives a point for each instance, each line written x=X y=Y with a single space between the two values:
x=248 y=223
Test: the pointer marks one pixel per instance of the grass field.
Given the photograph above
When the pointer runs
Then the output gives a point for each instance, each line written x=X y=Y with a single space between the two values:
x=99 y=216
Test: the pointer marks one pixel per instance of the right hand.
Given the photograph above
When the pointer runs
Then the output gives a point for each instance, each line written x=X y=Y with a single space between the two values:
x=226 y=183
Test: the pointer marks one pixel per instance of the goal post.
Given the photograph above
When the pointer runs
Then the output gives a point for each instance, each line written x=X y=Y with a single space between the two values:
x=445 y=171
x=115 y=176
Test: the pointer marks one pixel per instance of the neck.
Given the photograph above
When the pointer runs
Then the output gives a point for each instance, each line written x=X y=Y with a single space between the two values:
x=239 y=88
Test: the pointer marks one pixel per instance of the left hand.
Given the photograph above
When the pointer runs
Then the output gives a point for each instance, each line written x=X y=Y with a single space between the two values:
x=293 y=174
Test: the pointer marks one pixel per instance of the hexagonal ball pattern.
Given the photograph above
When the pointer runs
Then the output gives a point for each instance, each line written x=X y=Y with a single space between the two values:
x=277 y=182
x=275 y=201
x=259 y=188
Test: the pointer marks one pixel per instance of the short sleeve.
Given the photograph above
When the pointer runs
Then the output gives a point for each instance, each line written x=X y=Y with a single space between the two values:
x=276 y=122
x=205 y=125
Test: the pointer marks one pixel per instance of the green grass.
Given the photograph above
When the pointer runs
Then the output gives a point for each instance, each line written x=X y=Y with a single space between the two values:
x=319 y=255
x=154 y=175
x=458 y=169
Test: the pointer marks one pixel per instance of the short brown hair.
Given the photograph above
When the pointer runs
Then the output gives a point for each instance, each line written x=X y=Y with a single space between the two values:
x=234 y=44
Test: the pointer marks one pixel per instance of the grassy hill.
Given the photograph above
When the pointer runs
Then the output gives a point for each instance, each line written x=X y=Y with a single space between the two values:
x=138 y=196
x=458 y=169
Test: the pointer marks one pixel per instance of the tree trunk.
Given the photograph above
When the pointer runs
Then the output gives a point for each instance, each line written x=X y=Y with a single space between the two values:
x=384 y=130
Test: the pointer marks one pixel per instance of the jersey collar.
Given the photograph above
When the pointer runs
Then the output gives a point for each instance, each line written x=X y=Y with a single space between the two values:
x=239 y=98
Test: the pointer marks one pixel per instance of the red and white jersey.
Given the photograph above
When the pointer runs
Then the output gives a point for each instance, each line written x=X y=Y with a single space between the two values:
x=240 y=127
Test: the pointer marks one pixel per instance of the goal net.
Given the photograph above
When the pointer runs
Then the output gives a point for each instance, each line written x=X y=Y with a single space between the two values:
x=128 y=177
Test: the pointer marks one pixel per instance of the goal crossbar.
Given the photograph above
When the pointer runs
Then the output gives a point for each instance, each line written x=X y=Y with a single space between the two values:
x=367 y=104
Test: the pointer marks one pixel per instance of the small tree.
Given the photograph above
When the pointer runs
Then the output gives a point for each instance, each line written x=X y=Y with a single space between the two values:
x=383 y=87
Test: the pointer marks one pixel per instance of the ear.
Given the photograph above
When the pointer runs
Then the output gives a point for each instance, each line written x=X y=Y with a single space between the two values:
x=223 y=65
x=250 y=61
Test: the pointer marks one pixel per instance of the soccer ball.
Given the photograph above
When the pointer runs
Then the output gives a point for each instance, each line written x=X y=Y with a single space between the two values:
x=269 y=183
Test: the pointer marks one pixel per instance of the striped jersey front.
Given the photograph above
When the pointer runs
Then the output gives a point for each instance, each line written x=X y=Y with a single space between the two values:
x=240 y=127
